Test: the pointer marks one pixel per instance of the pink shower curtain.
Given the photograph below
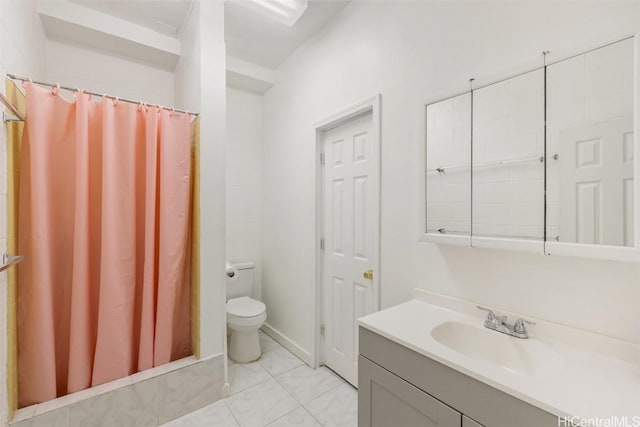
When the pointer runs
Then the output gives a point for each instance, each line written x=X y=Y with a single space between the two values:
x=104 y=219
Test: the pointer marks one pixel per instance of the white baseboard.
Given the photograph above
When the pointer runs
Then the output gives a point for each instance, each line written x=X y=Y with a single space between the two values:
x=287 y=343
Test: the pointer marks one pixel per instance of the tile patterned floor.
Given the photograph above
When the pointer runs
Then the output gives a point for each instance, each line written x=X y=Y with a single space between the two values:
x=279 y=390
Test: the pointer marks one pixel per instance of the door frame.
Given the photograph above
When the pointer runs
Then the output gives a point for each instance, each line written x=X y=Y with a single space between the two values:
x=369 y=105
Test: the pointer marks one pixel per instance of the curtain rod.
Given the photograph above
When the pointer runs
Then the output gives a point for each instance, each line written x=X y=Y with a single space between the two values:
x=131 y=101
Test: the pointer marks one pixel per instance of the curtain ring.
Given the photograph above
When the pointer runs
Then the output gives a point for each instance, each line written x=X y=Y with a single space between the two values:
x=160 y=108
x=104 y=97
x=173 y=111
x=24 y=83
x=56 y=89
x=140 y=106
x=116 y=100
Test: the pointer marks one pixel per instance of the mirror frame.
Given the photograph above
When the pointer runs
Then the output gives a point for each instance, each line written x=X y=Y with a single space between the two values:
x=606 y=252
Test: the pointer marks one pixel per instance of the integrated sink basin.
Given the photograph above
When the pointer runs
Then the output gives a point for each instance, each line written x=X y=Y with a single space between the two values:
x=519 y=356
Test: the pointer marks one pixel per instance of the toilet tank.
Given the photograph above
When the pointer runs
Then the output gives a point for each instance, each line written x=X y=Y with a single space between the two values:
x=242 y=284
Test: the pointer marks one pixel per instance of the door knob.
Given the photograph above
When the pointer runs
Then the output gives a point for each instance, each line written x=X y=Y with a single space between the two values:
x=368 y=274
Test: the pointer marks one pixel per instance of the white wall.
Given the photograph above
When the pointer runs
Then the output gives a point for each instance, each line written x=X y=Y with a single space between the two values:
x=200 y=86
x=22 y=50
x=411 y=52
x=103 y=72
x=187 y=71
x=212 y=178
x=243 y=167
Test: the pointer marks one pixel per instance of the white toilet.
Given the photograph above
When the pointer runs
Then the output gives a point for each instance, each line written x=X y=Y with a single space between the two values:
x=245 y=315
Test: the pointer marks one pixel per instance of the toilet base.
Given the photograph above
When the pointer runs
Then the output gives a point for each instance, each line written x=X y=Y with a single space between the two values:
x=244 y=346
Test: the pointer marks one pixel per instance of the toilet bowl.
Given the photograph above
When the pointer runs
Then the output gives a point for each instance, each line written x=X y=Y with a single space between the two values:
x=244 y=317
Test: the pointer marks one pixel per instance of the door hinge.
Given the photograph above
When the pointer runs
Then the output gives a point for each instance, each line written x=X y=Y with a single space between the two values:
x=322 y=244
x=322 y=158
x=322 y=330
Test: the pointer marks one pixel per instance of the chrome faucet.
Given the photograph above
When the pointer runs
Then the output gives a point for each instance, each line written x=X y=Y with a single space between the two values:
x=499 y=323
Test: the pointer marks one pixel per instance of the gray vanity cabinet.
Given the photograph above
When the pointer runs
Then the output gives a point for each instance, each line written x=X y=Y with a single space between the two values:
x=399 y=387
x=386 y=400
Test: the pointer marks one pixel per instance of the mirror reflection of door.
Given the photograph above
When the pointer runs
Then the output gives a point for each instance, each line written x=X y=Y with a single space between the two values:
x=596 y=183
x=590 y=125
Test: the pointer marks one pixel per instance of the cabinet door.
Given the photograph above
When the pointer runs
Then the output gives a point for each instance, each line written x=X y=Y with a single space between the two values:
x=448 y=174
x=387 y=400
x=508 y=163
x=468 y=422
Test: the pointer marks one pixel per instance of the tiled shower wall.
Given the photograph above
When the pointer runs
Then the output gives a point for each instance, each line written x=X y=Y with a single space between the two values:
x=145 y=399
x=22 y=52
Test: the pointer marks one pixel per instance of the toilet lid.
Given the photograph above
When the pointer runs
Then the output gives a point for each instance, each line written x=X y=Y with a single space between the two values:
x=245 y=307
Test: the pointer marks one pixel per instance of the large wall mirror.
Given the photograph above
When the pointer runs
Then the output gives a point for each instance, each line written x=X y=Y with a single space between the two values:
x=543 y=161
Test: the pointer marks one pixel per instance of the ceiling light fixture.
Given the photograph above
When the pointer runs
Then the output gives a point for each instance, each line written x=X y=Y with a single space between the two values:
x=286 y=12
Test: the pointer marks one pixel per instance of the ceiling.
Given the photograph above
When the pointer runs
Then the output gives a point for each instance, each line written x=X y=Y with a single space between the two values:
x=249 y=35
x=253 y=38
x=164 y=16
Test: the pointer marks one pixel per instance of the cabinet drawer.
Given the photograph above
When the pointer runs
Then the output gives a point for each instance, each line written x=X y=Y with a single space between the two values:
x=386 y=400
x=484 y=404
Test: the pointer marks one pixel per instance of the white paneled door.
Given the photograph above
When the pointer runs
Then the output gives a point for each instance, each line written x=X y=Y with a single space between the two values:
x=596 y=181
x=351 y=224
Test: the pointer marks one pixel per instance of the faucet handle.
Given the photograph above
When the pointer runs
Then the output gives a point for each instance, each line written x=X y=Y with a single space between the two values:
x=490 y=313
x=519 y=327
x=493 y=320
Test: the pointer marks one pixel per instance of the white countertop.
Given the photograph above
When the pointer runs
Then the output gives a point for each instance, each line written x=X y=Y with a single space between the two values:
x=588 y=385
